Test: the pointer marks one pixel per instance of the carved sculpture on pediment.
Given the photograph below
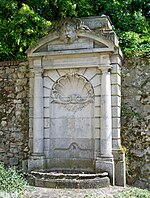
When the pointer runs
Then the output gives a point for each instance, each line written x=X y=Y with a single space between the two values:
x=68 y=28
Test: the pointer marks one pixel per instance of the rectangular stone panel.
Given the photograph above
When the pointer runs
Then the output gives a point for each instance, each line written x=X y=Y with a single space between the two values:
x=71 y=148
x=70 y=62
x=80 y=44
x=71 y=128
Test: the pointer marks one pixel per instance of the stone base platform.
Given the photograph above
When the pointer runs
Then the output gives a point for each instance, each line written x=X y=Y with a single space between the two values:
x=69 y=180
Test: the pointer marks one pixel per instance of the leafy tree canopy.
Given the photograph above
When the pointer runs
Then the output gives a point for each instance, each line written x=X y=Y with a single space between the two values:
x=22 y=22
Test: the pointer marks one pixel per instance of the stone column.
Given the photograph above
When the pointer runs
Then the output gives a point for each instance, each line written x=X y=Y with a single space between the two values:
x=106 y=117
x=38 y=114
x=105 y=161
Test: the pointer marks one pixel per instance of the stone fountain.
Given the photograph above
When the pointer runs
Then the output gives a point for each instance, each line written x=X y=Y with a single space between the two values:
x=75 y=102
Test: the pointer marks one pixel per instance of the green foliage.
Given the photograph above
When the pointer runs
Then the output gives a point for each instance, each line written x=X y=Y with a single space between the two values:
x=24 y=22
x=134 y=193
x=19 y=29
x=10 y=180
x=128 y=193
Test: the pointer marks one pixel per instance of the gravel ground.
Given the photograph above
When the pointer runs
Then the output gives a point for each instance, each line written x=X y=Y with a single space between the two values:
x=37 y=192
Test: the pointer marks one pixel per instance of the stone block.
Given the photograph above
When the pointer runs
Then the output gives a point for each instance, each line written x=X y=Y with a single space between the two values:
x=95 y=80
x=46 y=144
x=115 y=79
x=104 y=60
x=116 y=101
x=97 y=22
x=116 y=69
x=46 y=102
x=120 y=168
x=97 y=146
x=106 y=165
x=53 y=76
x=116 y=111
x=47 y=132
x=97 y=111
x=97 y=90
x=46 y=92
x=48 y=83
x=91 y=73
x=116 y=90
x=46 y=112
x=116 y=133
x=36 y=162
x=21 y=74
x=116 y=59
x=97 y=101
x=116 y=143
x=97 y=132
x=30 y=131
x=13 y=161
x=37 y=63
x=97 y=122
x=116 y=122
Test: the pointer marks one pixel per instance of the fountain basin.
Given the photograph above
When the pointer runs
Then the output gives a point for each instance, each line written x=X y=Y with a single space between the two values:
x=66 y=179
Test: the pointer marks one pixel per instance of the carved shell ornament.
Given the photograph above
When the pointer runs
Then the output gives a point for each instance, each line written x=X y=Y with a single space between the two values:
x=73 y=92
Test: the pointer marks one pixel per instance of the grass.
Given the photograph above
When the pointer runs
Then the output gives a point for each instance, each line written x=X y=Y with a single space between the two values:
x=128 y=193
x=11 y=182
x=133 y=193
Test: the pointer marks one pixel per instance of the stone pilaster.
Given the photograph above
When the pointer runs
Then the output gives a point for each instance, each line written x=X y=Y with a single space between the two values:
x=37 y=157
x=38 y=114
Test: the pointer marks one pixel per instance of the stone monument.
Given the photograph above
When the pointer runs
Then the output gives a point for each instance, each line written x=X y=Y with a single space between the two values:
x=75 y=99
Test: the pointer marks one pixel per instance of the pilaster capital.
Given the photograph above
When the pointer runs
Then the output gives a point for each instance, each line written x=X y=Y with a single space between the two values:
x=37 y=72
x=105 y=69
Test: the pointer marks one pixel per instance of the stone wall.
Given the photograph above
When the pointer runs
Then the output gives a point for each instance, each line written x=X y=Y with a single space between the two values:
x=14 y=93
x=14 y=90
x=135 y=119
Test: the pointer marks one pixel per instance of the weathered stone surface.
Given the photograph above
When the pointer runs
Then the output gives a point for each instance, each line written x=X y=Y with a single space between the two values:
x=69 y=180
x=135 y=120
x=13 y=112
